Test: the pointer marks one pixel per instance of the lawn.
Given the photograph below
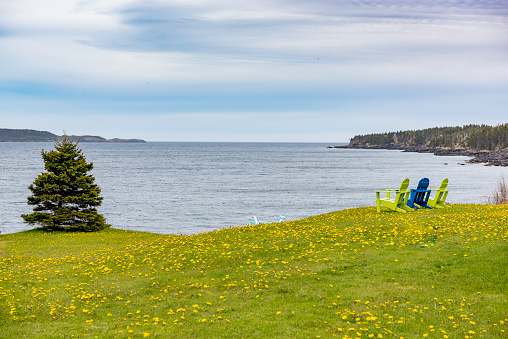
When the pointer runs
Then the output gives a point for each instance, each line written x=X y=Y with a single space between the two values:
x=348 y=274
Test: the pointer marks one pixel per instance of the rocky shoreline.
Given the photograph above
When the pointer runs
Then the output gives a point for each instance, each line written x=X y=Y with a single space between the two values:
x=490 y=158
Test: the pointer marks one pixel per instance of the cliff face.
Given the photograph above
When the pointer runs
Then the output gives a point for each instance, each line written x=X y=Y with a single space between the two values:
x=470 y=137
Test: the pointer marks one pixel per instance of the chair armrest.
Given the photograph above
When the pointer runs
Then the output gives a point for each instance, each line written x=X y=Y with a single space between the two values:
x=388 y=191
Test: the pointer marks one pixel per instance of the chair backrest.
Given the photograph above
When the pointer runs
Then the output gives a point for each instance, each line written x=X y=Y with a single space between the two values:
x=444 y=184
x=423 y=184
x=404 y=185
x=402 y=192
x=256 y=220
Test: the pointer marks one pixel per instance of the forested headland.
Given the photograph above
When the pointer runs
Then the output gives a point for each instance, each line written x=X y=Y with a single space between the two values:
x=486 y=143
x=473 y=137
x=30 y=135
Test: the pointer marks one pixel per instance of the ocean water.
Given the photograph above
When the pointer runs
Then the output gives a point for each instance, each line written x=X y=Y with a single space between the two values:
x=186 y=188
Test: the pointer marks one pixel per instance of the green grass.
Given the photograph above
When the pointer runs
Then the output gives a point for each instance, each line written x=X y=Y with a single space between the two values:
x=348 y=274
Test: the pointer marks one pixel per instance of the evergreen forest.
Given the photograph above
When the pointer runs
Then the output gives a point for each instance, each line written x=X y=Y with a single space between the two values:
x=474 y=137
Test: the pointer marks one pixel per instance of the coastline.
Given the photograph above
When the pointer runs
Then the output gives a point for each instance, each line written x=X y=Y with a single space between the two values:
x=490 y=158
x=30 y=135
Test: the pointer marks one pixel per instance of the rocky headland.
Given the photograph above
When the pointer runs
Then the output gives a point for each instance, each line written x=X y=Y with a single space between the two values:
x=485 y=144
x=30 y=135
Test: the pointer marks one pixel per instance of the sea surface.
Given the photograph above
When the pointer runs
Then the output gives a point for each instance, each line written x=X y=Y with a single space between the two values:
x=187 y=188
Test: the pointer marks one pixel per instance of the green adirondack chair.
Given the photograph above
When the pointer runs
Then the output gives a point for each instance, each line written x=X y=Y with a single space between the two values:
x=440 y=197
x=398 y=203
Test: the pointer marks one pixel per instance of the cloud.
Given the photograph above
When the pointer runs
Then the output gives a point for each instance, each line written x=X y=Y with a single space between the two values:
x=297 y=31
x=148 y=35
x=278 y=56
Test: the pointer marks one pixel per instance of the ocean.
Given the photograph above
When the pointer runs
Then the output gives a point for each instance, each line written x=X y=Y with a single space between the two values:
x=187 y=188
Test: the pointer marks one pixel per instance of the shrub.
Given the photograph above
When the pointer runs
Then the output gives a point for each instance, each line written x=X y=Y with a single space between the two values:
x=500 y=195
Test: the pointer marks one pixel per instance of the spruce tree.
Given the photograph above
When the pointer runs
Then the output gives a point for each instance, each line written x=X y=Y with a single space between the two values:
x=66 y=196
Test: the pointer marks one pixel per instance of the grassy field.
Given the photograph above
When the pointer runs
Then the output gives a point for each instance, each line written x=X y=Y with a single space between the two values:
x=347 y=274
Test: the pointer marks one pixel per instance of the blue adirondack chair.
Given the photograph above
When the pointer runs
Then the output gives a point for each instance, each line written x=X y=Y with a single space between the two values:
x=420 y=196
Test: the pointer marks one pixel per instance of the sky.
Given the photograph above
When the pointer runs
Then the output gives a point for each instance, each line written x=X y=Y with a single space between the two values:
x=258 y=70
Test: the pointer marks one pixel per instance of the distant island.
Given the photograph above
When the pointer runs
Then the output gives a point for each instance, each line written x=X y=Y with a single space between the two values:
x=30 y=135
x=487 y=144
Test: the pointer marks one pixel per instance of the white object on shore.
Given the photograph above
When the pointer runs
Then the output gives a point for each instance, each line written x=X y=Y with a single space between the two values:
x=254 y=220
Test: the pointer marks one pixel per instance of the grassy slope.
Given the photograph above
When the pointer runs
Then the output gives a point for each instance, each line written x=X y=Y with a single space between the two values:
x=349 y=274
